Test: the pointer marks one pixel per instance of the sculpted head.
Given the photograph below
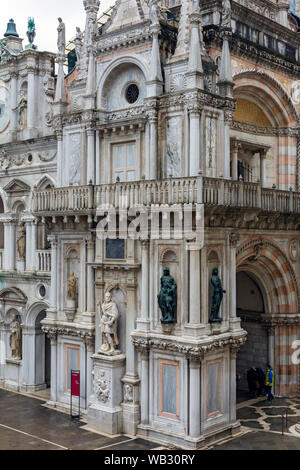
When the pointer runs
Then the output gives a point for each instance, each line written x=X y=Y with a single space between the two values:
x=215 y=272
x=107 y=297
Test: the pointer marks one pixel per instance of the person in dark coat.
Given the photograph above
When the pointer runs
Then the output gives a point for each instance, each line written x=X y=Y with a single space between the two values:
x=261 y=381
x=253 y=384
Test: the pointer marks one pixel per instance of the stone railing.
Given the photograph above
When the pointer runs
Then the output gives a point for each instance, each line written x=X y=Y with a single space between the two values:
x=209 y=191
x=44 y=261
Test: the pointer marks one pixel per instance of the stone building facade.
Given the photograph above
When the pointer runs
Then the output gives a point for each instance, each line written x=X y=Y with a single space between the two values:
x=172 y=105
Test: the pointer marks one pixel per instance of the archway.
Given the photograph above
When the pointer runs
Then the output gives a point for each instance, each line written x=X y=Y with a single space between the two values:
x=265 y=110
x=37 y=350
x=267 y=298
x=251 y=309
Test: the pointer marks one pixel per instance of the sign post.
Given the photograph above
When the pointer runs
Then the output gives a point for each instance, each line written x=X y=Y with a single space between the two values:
x=75 y=391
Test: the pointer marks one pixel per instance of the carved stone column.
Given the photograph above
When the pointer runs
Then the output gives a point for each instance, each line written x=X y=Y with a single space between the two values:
x=53 y=380
x=235 y=152
x=195 y=398
x=195 y=140
x=263 y=155
x=91 y=155
x=228 y=117
x=145 y=386
x=143 y=321
x=10 y=244
x=31 y=111
x=153 y=120
x=52 y=312
x=14 y=104
x=90 y=350
x=234 y=322
x=61 y=177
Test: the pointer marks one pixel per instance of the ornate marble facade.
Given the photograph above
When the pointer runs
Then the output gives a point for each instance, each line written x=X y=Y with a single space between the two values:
x=160 y=109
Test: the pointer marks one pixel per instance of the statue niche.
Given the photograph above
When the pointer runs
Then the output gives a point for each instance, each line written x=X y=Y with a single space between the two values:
x=167 y=298
x=15 y=339
x=21 y=242
x=109 y=316
x=217 y=297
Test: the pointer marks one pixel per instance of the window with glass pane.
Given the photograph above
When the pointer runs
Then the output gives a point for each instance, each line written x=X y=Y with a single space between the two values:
x=124 y=162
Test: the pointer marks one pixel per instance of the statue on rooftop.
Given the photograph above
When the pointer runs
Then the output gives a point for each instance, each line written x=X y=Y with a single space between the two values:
x=31 y=33
x=61 y=39
x=226 y=13
x=78 y=44
x=154 y=12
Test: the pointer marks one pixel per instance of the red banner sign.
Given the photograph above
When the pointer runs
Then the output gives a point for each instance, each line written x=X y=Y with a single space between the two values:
x=75 y=387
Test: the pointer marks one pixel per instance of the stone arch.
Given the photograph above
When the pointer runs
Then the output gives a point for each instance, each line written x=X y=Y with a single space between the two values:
x=45 y=182
x=272 y=268
x=121 y=63
x=265 y=91
x=34 y=311
x=19 y=206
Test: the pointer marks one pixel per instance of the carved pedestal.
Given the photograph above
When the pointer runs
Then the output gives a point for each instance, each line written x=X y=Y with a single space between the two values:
x=105 y=412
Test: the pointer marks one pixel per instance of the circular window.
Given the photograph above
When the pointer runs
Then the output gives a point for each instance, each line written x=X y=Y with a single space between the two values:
x=29 y=158
x=42 y=291
x=132 y=93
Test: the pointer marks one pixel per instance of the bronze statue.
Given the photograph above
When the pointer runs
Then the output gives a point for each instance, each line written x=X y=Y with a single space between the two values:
x=217 y=297
x=167 y=298
x=72 y=287
x=21 y=241
x=15 y=338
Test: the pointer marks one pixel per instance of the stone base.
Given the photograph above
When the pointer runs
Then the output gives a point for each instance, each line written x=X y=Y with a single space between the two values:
x=106 y=420
x=131 y=418
x=188 y=442
x=194 y=330
x=105 y=412
x=32 y=388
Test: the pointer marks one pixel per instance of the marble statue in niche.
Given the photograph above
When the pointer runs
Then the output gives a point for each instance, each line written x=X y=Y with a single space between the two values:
x=167 y=298
x=72 y=287
x=109 y=315
x=61 y=38
x=22 y=107
x=21 y=241
x=217 y=297
x=15 y=338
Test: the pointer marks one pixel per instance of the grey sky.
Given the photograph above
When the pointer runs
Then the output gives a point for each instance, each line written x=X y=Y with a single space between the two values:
x=45 y=15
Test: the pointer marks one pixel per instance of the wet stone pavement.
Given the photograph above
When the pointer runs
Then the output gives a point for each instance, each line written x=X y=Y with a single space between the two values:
x=25 y=424
x=262 y=425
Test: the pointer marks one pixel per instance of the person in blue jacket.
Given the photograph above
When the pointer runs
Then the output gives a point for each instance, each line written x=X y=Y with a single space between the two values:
x=269 y=382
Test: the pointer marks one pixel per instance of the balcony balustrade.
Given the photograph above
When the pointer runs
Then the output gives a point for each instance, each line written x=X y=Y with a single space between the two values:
x=209 y=191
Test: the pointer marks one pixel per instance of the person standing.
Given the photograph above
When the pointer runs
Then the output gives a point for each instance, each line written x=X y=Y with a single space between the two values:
x=252 y=378
x=269 y=382
x=261 y=381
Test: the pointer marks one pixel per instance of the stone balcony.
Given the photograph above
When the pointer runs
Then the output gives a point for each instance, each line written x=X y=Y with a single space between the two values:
x=80 y=200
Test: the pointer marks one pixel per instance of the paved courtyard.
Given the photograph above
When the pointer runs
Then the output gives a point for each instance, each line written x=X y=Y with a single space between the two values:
x=27 y=424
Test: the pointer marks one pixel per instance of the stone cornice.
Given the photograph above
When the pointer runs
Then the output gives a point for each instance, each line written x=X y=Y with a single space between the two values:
x=68 y=329
x=245 y=49
x=191 y=348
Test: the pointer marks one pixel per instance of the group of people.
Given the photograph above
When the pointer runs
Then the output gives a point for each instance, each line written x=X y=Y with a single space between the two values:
x=260 y=383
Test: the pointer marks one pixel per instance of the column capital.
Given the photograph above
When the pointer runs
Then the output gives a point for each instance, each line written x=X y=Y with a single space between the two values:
x=234 y=238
